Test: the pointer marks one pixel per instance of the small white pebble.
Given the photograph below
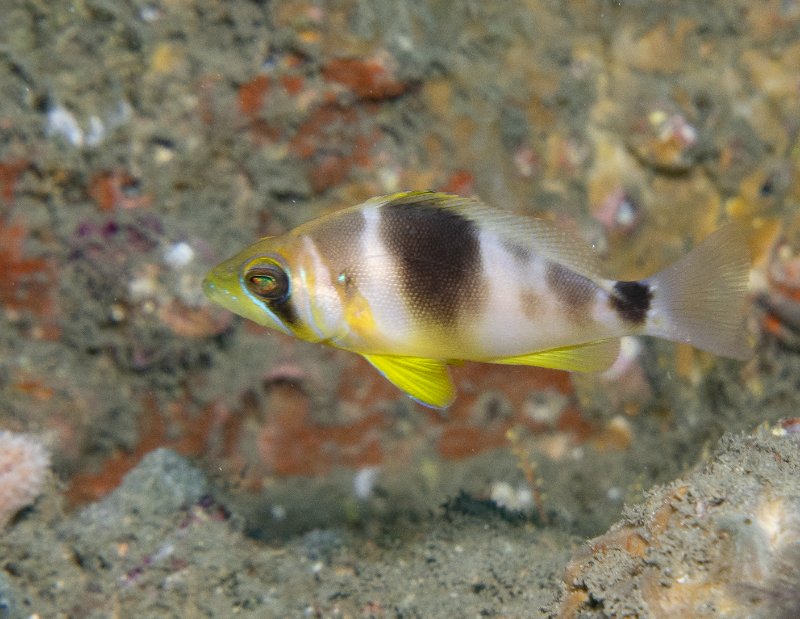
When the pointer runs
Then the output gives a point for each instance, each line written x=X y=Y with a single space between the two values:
x=502 y=493
x=62 y=122
x=121 y=115
x=117 y=312
x=515 y=499
x=142 y=287
x=96 y=131
x=545 y=406
x=150 y=14
x=162 y=553
x=405 y=42
x=162 y=154
x=364 y=481
x=179 y=255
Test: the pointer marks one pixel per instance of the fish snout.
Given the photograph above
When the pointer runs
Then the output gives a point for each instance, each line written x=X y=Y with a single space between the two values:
x=221 y=282
x=209 y=287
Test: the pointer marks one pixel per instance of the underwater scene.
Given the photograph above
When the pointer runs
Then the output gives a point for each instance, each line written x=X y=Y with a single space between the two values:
x=425 y=308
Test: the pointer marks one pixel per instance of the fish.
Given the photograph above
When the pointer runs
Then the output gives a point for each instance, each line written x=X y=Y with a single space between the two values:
x=417 y=281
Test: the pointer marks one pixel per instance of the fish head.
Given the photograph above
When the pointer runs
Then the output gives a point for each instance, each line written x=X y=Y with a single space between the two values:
x=256 y=283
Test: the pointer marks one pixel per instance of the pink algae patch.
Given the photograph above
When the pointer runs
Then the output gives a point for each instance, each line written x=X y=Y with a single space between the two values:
x=24 y=462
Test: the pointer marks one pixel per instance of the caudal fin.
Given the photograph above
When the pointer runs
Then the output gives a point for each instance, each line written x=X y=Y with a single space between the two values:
x=700 y=299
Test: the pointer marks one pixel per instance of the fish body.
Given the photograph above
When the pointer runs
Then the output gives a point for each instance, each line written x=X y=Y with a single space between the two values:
x=419 y=280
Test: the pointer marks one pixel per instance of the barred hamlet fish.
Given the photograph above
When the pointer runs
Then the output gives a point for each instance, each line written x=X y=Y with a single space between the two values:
x=416 y=281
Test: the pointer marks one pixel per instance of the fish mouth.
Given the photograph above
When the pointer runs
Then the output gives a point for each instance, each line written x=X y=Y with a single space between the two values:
x=218 y=287
x=212 y=290
x=221 y=281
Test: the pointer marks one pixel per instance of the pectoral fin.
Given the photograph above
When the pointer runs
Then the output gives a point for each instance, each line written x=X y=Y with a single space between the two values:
x=425 y=380
x=591 y=357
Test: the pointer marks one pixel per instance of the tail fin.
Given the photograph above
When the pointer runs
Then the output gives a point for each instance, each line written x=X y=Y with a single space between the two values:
x=700 y=299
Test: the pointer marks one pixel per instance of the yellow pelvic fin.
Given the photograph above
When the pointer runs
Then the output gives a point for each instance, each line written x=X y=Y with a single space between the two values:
x=592 y=357
x=425 y=380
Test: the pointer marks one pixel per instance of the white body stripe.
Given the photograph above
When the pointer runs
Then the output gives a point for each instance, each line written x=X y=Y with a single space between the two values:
x=379 y=282
x=316 y=298
x=498 y=329
x=508 y=328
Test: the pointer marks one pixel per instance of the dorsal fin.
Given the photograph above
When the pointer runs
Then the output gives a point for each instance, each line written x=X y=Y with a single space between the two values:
x=528 y=233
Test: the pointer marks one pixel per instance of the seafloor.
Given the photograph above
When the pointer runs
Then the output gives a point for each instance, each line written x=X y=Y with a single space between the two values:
x=204 y=467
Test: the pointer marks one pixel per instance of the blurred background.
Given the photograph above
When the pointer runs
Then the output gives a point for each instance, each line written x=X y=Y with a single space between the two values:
x=142 y=142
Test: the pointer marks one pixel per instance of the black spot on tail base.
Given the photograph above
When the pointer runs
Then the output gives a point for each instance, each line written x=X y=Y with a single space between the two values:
x=439 y=253
x=632 y=300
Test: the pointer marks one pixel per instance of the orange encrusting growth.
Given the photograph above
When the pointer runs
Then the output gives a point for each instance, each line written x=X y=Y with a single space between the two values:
x=10 y=172
x=87 y=486
x=370 y=79
x=274 y=433
x=252 y=95
x=28 y=284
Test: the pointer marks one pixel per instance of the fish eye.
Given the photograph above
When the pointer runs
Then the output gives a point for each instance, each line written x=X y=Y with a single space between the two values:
x=269 y=282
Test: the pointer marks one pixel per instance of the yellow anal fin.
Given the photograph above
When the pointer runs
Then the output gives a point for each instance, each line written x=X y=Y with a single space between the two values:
x=425 y=380
x=592 y=357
